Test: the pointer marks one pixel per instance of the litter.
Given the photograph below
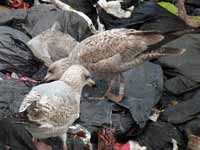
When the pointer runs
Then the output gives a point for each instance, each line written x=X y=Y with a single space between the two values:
x=160 y=109
x=114 y=8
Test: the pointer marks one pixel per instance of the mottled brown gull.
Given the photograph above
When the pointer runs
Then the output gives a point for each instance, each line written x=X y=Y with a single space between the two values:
x=49 y=109
x=110 y=52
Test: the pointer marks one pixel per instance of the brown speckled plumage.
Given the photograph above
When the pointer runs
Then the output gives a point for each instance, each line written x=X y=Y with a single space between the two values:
x=112 y=51
x=52 y=107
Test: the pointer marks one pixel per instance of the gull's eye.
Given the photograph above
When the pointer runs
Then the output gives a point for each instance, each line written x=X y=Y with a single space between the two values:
x=87 y=77
x=50 y=71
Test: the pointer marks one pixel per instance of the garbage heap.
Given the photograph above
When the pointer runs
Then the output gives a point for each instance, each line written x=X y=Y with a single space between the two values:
x=161 y=108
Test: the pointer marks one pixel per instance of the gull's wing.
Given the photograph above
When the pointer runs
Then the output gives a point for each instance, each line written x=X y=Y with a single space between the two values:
x=127 y=42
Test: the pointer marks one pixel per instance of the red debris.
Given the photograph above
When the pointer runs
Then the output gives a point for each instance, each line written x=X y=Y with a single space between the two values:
x=18 y=4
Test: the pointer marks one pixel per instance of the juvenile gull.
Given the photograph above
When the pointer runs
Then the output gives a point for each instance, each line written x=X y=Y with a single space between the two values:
x=52 y=45
x=111 y=52
x=49 y=109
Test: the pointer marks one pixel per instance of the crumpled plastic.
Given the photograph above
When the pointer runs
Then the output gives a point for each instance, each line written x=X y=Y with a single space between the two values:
x=114 y=8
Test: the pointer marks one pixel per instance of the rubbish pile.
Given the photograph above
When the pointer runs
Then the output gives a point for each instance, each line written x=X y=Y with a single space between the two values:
x=159 y=105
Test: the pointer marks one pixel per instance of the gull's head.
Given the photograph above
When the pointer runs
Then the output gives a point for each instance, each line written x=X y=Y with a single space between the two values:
x=77 y=76
x=57 y=69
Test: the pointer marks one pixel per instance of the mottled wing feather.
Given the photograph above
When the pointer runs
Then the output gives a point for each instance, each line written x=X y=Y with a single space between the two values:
x=64 y=111
x=29 y=99
x=110 y=64
x=123 y=41
x=55 y=110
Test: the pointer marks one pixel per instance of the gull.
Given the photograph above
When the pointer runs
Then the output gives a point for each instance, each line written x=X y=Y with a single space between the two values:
x=49 y=109
x=112 y=52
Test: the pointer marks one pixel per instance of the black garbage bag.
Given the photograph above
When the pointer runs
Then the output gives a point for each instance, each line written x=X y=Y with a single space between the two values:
x=183 y=111
x=39 y=18
x=187 y=64
x=159 y=135
x=180 y=85
x=40 y=74
x=14 y=136
x=42 y=17
x=13 y=18
x=12 y=93
x=147 y=16
x=15 y=56
x=143 y=91
x=190 y=127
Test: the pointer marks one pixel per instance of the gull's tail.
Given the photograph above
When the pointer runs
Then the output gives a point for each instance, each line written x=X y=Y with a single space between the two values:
x=148 y=55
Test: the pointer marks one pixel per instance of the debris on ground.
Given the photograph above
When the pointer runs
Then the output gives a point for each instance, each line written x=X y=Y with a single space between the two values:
x=160 y=108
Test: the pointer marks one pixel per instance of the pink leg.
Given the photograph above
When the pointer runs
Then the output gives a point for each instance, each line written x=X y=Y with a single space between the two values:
x=114 y=97
x=64 y=146
x=64 y=140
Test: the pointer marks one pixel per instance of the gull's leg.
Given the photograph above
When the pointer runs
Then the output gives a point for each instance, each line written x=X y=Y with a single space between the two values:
x=64 y=140
x=41 y=145
x=108 y=91
x=113 y=97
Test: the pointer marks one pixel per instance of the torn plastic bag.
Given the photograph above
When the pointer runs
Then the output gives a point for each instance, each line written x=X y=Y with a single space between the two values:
x=85 y=6
x=147 y=16
x=159 y=135
x=74 y=25
x=15 y=56
x=187 y=64
x=143 y=91
x=51 y=45
x=42 y=17
x=183 y=111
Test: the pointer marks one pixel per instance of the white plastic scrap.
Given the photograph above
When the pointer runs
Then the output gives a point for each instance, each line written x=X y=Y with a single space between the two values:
x=136 y=146
x=155 y=114
x=14 y=76
x=114 y=8
x=101 y=27
x=175 y=145
x=66 y=7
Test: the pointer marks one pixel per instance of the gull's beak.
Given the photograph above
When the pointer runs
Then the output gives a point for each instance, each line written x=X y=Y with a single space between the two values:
x=47 y=78
x=91 y=82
